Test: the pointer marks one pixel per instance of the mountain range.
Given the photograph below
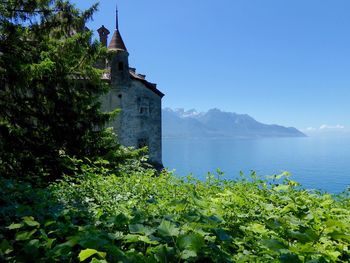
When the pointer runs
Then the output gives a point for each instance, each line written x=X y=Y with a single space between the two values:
x=215 y=123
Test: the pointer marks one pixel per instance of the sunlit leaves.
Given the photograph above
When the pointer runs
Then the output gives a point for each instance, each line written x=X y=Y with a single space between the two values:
x=167 y=228
x=192 y=242
x=24 y=235
x=219 y=221
x=87 y=253
x=14 y=226
x=29 y=220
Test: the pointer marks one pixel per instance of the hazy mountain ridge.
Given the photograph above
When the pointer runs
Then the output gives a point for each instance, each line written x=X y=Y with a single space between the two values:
x=215 y=123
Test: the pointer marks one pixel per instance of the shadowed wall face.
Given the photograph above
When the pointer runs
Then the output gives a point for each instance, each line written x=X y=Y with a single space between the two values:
x=139 y=122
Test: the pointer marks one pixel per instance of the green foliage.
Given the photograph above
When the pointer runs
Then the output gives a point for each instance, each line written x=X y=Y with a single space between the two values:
x=112 y=207
x=140 y=217
x=87 y=253
x=49 y=90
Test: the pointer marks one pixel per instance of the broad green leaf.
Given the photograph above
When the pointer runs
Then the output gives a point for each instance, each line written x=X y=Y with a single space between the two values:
x=193 y=242
x=14 y=226
x=116 y=236
x=257 y=228
x=222 y=235
x=30 y=221
x=119 y=220
x=274 y=223
x=284 y=174
x=279 y=176
x=333 y=255
x=327 y=202
x=293 y=183
x=178 y=205
x=131 y=238
x=302 y=237
x=71 y=242
x=273 y=244
x=166 y=228
x=303 y=248
x=5 y=247
x=146 y=240
x=48 y=223
x=215 y=219
x=269 y=207
x=25 y=235
x=141 y=229
x=289 y=208
x=289 y=258
x=86 y=253
x=282 y=187
x=50 y=242
x=95 y=260
x=339 y=236
x=318 y=260
x=186 y=254
x=162 y=253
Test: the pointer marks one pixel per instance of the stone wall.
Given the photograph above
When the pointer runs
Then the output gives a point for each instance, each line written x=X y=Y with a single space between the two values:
x=139 y=122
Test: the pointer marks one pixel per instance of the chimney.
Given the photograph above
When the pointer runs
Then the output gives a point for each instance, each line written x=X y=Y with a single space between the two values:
x=103 y=33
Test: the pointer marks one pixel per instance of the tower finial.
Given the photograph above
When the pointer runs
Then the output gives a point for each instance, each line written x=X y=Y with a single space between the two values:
x=116 y=18
x=117 y=41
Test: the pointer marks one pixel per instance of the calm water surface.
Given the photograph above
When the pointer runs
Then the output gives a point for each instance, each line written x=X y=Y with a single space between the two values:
x=317 y=163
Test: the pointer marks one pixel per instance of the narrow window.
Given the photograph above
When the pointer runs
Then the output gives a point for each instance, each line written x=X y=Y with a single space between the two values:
x=142 y=142
x=144 y=106
x=120 y=66
x=144 y=110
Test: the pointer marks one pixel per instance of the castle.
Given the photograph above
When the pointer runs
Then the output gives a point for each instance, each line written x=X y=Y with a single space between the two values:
x=139 y=122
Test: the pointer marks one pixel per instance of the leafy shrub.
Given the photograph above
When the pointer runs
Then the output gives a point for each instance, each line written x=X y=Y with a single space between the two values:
x=140 y=217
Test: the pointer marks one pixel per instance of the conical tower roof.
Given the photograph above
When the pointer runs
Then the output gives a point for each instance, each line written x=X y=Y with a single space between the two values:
x=117 y=41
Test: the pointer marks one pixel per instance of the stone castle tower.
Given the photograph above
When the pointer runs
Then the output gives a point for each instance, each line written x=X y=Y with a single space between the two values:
x=139 y=122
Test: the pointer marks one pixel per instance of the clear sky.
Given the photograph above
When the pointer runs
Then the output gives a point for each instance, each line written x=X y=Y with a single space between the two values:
x=285 y=62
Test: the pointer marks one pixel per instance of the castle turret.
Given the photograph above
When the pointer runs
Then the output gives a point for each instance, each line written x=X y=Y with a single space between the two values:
x=103 y=33
x=139 y=122
x=119 y=63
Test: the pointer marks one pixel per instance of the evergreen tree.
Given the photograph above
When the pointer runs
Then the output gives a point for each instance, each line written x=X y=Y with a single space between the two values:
x=49 y=89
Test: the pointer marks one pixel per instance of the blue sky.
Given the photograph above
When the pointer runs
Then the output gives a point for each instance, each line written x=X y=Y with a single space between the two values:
x=284 y=62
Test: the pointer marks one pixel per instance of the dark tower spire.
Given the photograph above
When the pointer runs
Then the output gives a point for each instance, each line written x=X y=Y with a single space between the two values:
x=116 y=17
x=117 y=41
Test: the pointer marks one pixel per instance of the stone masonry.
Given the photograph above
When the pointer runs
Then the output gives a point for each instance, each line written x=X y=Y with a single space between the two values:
x=139 y=122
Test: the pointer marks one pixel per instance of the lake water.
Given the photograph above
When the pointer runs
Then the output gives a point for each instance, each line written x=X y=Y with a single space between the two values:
x=317 y=163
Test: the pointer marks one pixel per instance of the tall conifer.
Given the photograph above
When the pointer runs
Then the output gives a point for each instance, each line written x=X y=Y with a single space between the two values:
x=49 y=89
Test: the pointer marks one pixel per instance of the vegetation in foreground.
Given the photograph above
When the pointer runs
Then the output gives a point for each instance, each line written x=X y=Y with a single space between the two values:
x=109 y=207
x=138 y=217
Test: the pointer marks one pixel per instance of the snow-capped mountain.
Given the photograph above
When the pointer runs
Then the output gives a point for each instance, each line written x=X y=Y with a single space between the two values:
x=216 y=123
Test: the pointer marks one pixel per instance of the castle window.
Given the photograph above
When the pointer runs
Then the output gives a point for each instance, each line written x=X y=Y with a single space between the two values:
x=120 y=66
x=144 y=111
x=142 y=142
x=144 y=106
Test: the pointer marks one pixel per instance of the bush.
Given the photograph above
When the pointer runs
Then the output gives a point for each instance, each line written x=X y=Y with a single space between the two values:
x=140 y=217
